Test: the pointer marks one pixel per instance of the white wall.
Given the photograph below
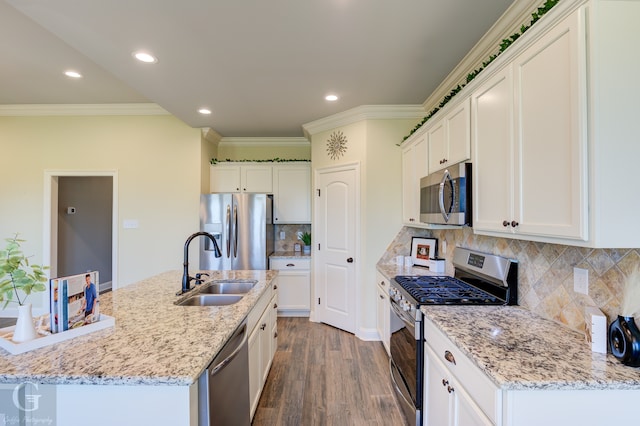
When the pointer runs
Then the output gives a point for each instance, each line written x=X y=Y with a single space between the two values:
x=157 y=159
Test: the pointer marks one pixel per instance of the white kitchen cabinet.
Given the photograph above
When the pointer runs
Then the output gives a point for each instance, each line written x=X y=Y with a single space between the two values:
x=414 y=167
x=383 y=311
x=294 y=285
x=262 y=324
x=292 y=193
x=245 y=177
x=456 y=392
x=449 y=138
x=530 y=169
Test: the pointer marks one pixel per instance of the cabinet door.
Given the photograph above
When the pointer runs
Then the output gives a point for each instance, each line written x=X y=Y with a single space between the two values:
x=294 y=290
x=459 y=133
x=492 y=120
x=438 y=146
x=224 y=178
x=292 y=194
x=466 y=412
x=382 y=321
x=257 y=178
x=438 y=403
x=414 y=167
x=551 y=148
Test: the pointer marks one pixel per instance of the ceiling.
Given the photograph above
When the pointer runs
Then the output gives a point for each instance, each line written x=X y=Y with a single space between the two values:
x=263 y=67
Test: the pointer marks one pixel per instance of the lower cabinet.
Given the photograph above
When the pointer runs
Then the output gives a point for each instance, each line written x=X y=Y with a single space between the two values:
x=262 y=323
x=383 y=310
x=294 y=281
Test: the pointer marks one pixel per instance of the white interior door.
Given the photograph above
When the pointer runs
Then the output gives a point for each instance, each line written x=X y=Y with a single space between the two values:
x=335 y=246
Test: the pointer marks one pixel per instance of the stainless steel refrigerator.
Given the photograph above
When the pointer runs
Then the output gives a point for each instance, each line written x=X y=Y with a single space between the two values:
x=242 y=225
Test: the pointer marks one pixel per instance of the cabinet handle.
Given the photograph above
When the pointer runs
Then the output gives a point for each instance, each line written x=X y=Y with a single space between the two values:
x=449 y=357
x=382 y=283
x=244 y=189
x=514 y=223
x=275 y=335
x=445 y=382
x=289 y=265
x=275 y=305
x=263 y=326
x=275 y=287
x=381 y=296
x=505 y=223
x=450 y=389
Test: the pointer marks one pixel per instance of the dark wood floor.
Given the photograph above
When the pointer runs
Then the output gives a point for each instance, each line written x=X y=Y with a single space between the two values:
x=325 y=376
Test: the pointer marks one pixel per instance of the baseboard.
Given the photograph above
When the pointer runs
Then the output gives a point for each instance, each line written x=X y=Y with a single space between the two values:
x=368 y=334
x=104 y=287
x=293 y=313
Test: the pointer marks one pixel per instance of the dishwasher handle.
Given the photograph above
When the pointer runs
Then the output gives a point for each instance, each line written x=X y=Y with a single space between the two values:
x=240 y=333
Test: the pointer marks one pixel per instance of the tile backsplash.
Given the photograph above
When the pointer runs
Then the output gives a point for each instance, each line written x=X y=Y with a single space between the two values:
x=290 y=236
x=545 y=271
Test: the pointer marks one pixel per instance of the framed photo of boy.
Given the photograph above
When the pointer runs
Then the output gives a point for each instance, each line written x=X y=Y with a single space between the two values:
x=423 y=249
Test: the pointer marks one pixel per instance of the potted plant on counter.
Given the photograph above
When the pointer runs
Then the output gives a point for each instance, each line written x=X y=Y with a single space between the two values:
x=18 y=280
x=306 y=240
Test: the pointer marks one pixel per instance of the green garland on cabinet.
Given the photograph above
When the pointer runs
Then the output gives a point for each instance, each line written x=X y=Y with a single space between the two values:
x=535 y=17
x=271 y=160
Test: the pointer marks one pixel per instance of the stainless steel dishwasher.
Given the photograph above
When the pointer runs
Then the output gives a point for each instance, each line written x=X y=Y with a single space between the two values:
x=223 y=388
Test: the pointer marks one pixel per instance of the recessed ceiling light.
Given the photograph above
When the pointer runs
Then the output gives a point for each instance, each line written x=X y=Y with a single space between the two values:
x=73 y=74
x=145 y=57
x=331 y=98
x=204 y=111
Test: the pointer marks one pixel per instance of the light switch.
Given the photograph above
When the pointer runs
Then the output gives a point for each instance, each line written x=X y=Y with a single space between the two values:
x=282 y=235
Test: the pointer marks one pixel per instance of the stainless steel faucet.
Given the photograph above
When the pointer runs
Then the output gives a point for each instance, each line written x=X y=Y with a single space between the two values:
x=186 y=279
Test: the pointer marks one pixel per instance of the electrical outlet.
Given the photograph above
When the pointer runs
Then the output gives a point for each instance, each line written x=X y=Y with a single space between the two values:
x=581 y=280
x=282 y=236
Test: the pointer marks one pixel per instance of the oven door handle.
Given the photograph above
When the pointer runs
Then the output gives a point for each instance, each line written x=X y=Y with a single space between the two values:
x=410 y=325
x=397 y=386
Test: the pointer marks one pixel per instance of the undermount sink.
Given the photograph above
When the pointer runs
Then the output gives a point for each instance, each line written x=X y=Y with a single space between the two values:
x=211 y=300
x=229 y=287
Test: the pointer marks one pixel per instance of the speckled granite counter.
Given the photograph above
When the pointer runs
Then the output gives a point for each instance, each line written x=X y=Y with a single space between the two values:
x=289 y=255
x=154 y=342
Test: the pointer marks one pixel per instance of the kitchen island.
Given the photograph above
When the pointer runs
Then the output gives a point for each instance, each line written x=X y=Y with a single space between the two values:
x=145 y=369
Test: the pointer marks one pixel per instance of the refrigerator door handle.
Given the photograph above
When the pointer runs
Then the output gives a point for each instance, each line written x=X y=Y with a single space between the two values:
x=228 y=230
x=235 y=234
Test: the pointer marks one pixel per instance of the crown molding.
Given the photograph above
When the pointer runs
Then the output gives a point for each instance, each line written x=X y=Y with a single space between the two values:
x=266 y=141
x=361 y=113
x=81 y=109
x=512 y=19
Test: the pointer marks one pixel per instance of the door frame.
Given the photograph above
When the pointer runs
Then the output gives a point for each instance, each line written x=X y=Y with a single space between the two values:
x=355 y=166
x=50 y=221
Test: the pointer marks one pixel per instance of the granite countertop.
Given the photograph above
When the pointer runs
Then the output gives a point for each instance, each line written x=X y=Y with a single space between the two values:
x=289 y=255
x=520 y=350
x=154 y=342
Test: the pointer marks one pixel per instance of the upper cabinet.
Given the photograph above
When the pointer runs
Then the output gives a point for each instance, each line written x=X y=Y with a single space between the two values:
x=241 y=178
x=449 y=138
x=414 y=167
x=530 y=155
x=292 y=193
x=290 y=184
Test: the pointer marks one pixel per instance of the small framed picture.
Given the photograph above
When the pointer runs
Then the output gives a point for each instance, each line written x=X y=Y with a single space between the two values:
x=423 y=249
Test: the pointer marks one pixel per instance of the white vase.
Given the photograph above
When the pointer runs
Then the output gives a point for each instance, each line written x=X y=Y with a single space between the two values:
x=306 y=249
x=25 y=330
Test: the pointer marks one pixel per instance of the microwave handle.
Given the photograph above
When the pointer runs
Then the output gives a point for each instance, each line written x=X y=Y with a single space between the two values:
x=445 y=214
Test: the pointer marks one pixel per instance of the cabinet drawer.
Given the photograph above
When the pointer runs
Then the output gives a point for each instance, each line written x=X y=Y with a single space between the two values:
x=479 y=387
x=258 y=309
x=383 y=283
x=289 y=264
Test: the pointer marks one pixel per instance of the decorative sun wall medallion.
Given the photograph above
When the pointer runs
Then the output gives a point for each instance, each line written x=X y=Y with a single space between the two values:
x=336 y=145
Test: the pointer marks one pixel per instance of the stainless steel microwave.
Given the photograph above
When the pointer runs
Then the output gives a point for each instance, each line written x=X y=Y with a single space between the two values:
x=445 y=196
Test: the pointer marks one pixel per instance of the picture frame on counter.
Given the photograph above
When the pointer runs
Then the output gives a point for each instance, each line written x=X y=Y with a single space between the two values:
x=423 y=249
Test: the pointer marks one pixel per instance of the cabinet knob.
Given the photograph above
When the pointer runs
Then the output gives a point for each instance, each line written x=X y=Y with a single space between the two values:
x=445 y=382
x=244 y=189
x=275 y=287
x=275 y=306
x=505 y=223
x=382 y=283
x=514 y=223
x=350 y=260
x=275 y=335
x=263 y=326
x=449 y=357
x=450 y=389
x=381 y=296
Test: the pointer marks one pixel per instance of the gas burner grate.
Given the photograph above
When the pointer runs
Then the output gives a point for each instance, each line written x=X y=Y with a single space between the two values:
x=443 y=290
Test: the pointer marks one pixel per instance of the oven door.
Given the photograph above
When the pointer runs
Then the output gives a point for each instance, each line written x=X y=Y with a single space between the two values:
x=405 y=362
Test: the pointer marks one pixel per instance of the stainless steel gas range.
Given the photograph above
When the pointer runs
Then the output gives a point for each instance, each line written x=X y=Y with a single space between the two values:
x=479 y=279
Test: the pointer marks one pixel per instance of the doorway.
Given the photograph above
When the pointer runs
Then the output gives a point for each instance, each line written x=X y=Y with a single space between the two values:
x=80 y=229
x=336 y=271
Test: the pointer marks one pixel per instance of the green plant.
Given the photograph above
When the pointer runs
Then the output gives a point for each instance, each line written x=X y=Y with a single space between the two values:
x=16 y=273
x=306 y=238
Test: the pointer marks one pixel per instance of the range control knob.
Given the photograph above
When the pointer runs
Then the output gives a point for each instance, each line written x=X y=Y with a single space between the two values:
x=406 y=305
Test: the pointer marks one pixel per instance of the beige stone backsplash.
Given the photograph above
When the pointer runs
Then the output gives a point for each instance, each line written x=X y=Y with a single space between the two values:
x=545 y=271
x=291 y=237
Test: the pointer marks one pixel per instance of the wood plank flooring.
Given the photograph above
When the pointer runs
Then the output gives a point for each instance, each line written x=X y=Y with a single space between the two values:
x=324 y=376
